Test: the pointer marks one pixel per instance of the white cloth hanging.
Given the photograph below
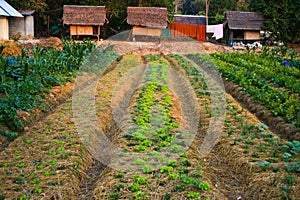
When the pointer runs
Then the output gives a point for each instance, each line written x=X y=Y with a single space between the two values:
x=218 y=31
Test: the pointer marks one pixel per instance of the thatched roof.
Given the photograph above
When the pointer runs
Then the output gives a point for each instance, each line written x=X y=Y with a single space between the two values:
x=84 y=15
x=238 y=20
x=154 y=17
x=190 y=19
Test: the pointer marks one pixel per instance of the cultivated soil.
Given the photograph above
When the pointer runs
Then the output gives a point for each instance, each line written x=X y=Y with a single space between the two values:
x=50 y=155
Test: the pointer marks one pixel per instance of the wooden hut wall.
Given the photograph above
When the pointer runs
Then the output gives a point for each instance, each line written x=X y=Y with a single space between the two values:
x=137 y=30
x=189 y=30
x=81 y=30
x=4 y=28
x=251 y=35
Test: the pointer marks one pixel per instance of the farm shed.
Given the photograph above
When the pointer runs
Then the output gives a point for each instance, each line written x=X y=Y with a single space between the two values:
x=7 y=12
x=244 y=25
x=147 y=21
x=189 y=25
x=23 y=27
x=84 y=20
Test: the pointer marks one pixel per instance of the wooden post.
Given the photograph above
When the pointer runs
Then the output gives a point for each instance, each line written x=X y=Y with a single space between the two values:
x=98 y=32
x=206 y=12
x=48 y=23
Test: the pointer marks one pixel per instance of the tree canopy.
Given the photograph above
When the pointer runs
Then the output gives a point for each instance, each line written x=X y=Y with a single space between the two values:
x=282 y=19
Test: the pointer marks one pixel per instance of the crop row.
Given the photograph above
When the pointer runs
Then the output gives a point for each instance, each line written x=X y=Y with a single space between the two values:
x=282 y=76
x=279 y=103
x=26 y=79
x=49 y=160
x=270 y=154
x=156 y=136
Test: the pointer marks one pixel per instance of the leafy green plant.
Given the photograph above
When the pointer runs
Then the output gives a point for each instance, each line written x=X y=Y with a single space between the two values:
x=193 y=195
x=166 y=169
x=186 y=163
x=37 y=190
x=147 y=169
x=140 y=148
x=204 y=186
x=24 y=197
x=35 y=181
x=140 y=180
x=21 y=165
x=140 y=195
x=11 y=136
x=134 y=187
x=174 y=176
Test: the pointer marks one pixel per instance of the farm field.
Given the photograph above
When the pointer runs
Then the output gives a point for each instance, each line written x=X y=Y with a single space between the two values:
x=158 y=109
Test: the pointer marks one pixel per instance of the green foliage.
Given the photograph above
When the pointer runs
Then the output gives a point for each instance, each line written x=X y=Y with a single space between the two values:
x=140 y=195
x=246 y=70
x=10 y=135
x=166 y=169
x=24 y=197
x=140 y=148
x=280 y=19
x=186 y=163
x=174 y=176
x=27 y=78
x=140 y=180
x=193 y=195
x=134 y=187
x=147 y=169
x=204 y=186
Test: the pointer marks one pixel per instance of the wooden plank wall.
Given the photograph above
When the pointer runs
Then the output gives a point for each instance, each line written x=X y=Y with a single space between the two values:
x=251 y=35
x=81 y=30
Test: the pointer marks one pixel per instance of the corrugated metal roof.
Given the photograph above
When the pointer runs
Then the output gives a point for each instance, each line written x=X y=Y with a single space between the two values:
x=190 y=19
x=7 y=10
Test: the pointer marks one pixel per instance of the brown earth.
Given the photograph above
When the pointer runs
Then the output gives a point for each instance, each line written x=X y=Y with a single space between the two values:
x=231 y=175
x=166 y=47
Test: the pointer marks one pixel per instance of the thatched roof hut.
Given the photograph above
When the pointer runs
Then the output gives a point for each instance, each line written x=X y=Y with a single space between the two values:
x=238 y=20
x=84 y=15
x=152 y=17
x=244 y=25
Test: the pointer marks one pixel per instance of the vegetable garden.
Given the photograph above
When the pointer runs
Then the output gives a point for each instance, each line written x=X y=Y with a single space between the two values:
x=158 y=109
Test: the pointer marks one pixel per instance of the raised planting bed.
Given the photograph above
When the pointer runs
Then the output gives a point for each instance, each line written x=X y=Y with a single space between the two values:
x=249 y=161
x=159 y=168
x=279 y=109
x=157 y=111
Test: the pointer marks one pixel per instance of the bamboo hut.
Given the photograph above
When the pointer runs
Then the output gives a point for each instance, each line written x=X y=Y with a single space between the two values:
x=190 y=26
x=84 y=20
x=244 y=25
x=7 y=12
x=147 y=21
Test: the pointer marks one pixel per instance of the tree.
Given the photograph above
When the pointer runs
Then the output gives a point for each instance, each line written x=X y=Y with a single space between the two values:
x=192 y=7
x=282 y=19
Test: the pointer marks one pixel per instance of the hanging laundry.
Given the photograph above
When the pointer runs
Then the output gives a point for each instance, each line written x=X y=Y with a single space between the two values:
x=210 y=28
x=218 y=31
